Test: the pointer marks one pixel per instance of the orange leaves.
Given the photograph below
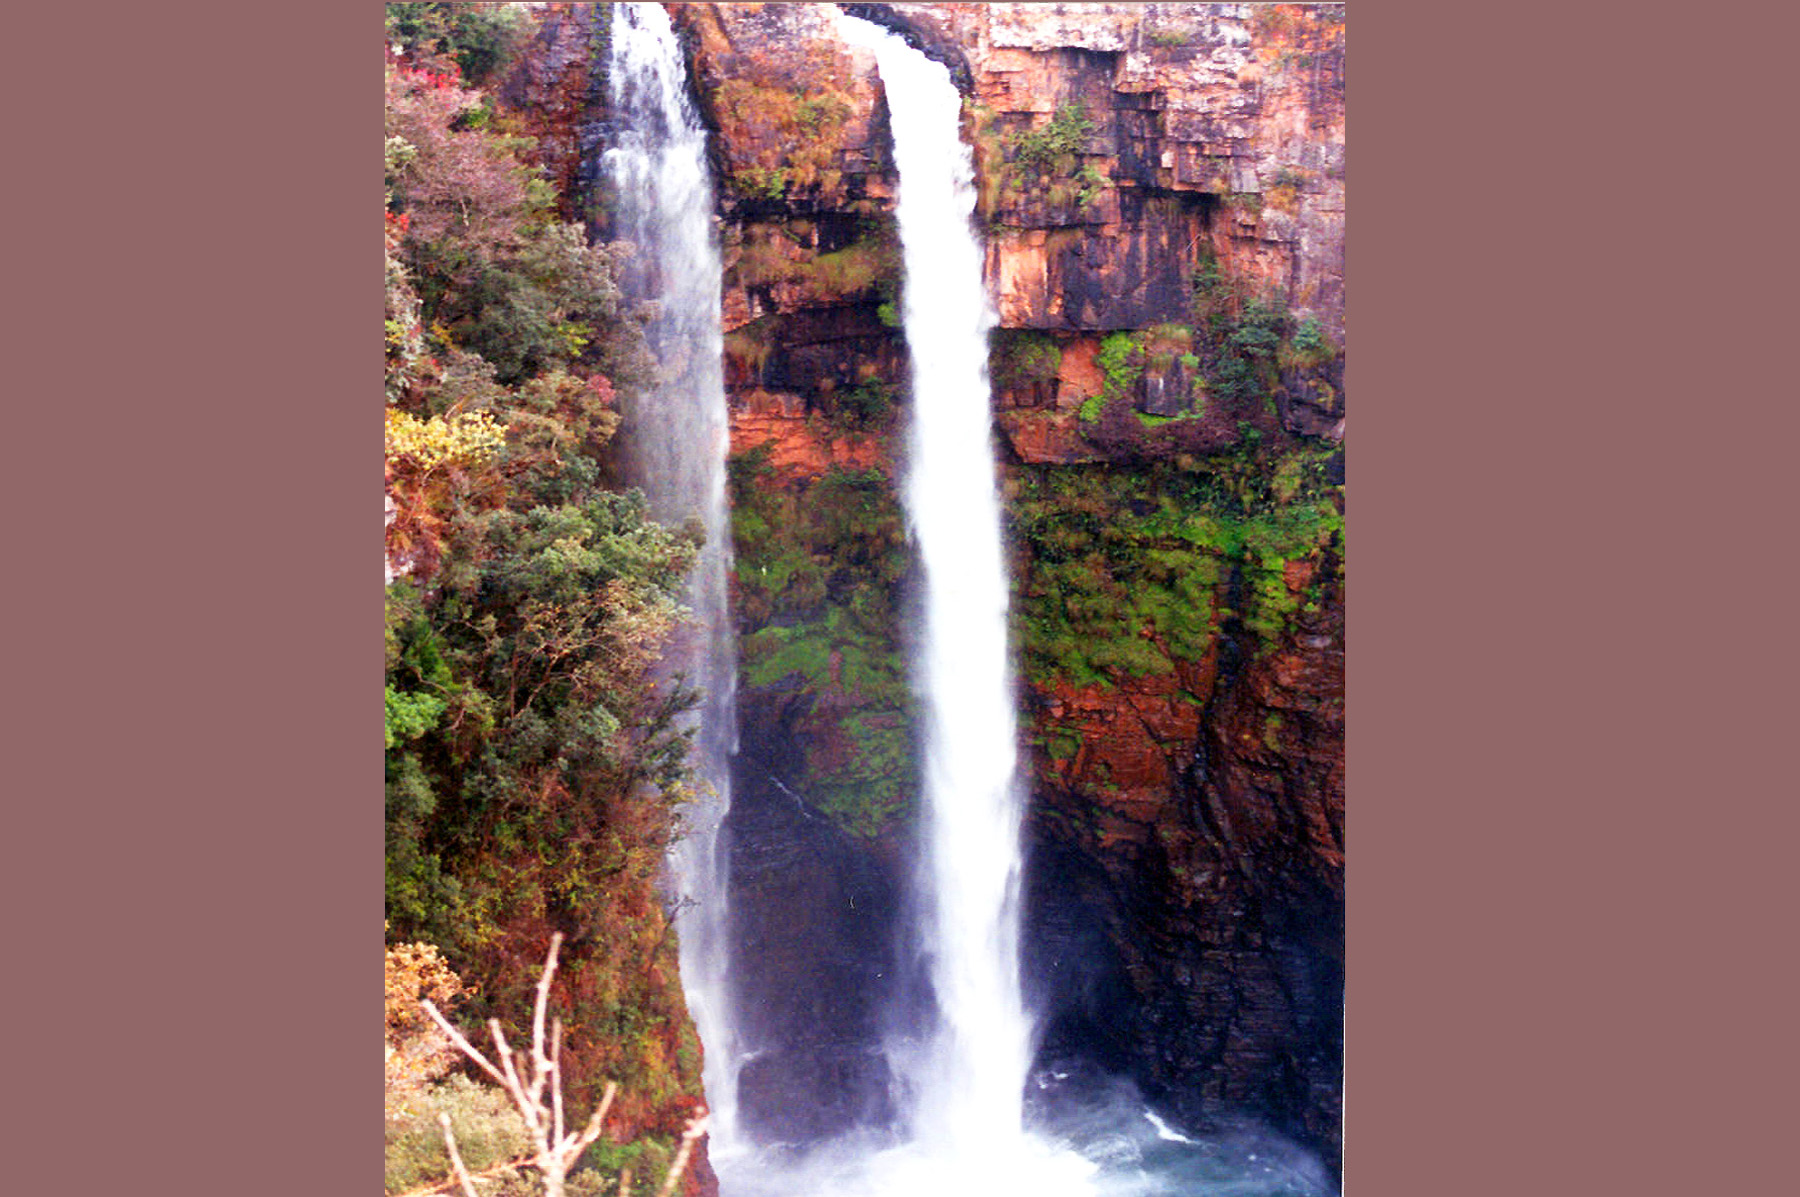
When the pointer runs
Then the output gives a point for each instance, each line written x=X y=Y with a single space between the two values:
x=415 y=1053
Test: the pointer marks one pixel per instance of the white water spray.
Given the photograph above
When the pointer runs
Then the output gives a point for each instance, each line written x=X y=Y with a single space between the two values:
x=678 y=436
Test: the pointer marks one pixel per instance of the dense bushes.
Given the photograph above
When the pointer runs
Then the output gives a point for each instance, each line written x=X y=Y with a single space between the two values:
x=478 y=38
x=534 y=766
x=1245 y=340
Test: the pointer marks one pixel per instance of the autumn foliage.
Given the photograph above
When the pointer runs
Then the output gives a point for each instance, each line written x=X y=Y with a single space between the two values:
x=534 y=766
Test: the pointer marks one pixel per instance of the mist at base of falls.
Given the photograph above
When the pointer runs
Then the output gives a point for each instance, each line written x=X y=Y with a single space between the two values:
x=1090 y=1135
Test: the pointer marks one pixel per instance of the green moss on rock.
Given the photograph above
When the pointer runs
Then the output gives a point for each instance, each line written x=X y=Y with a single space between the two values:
x=1127 y=571
x=819 y=566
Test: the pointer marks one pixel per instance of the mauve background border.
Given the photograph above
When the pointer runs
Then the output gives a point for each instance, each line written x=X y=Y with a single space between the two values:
x=1568 y=823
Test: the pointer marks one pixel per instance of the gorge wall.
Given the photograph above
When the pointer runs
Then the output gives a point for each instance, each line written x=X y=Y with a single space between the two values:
x=1162 y=195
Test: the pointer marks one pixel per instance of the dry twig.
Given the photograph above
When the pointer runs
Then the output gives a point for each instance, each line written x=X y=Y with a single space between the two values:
x=695 y=1128
x=462 y=1173
x=526 y=1077
x=486 y=1173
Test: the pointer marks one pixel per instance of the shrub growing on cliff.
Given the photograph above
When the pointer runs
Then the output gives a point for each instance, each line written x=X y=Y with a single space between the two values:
x=785 y=135
x=1047 y=157
x=479 y=38
x=865 y=405
x=1308 y=348
x=770 y=254
x=1128 y=571
x=534 y=764
x=1257 y=330
x=1052 y=145
x=1249 y=339
x=818 y=566
x=1024 y=360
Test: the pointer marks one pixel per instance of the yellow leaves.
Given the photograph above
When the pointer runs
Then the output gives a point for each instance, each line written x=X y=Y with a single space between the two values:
x=433 y=466
x=466 y=439
x=415 y=971
x=415 y=1052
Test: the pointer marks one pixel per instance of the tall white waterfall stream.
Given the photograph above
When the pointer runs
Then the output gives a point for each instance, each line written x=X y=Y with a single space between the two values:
x=967 y=1084
x=677 y=439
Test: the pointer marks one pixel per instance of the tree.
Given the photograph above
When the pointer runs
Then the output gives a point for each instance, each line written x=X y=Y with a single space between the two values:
x=534 y=1082
x=534 y=766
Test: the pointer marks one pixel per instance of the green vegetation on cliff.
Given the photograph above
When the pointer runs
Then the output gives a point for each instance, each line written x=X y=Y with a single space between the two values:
x=1128 y=571
x=787 y=134
x=1023 y=358
x=819 y=570
x=534 y=766
x=769 y=253
x=1247 y=342
x=1039 y=163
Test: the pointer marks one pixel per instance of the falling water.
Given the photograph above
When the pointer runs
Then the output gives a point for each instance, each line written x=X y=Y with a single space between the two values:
x=964 y=1085
x=676 y=438
x=968 y=1082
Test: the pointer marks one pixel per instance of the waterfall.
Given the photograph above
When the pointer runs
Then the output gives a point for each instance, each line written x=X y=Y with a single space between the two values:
x=962 y=1128
x=965 y=1085
x=675 y=439
x=968 y=1083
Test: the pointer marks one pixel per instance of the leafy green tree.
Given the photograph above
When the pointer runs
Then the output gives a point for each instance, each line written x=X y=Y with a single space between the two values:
x=478 y=38
x=535 y=763
x=494 y=271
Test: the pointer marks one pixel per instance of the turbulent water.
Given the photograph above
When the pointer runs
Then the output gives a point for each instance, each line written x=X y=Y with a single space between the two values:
x=676 y=439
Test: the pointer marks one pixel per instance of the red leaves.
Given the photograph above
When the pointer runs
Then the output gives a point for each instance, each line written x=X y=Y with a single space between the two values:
x=442 y=77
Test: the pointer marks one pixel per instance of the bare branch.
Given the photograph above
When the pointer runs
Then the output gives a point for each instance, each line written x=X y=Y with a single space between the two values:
x=462 y=1173
x=556 y=1063
x=695 y=1128
x=468 y=1049
x=543 y=998
x=592 y=1131
x=514 y=1085
x=557 y=1150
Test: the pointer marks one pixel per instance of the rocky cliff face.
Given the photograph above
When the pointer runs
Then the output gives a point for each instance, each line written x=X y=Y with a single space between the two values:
x=1162 y=195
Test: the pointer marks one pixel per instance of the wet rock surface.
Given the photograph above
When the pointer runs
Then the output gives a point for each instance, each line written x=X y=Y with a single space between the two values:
x=814 y=919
